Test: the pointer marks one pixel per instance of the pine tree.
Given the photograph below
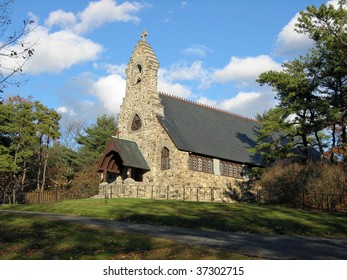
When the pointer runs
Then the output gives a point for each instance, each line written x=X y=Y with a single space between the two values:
x=26 y=129
x=93 y=141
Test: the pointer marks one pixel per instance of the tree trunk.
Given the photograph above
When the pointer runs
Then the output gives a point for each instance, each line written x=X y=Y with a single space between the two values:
x=38 y=175
x=305 y=145
x=333 y=143
x=14 y=195
x=319 y=143
x=344 y=143
x=45 y=167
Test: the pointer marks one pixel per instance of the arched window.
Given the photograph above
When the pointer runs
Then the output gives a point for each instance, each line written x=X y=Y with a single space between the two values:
x=165 y=158
x=136 y=124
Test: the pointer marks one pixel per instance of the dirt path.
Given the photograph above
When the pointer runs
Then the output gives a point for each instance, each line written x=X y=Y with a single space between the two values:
x=264 y=246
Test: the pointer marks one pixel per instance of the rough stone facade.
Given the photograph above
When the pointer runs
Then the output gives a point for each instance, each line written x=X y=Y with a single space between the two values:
x=132 y=189
x=138 y=122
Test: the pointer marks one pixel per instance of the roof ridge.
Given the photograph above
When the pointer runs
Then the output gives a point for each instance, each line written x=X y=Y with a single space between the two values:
x=208 y=106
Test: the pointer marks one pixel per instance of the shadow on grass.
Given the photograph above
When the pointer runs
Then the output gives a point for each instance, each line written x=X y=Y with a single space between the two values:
x=36 y=238
x=225 y=217
x=238 y=218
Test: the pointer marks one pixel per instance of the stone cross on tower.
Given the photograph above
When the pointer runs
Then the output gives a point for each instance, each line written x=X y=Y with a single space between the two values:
x=144 y=35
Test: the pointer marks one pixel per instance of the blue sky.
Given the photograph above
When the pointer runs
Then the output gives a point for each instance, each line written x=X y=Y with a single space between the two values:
x=210 y=51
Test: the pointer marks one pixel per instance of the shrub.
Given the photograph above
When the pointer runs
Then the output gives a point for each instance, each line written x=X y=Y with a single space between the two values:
x=283 y=183
x=86 y=182
x=317 y=184
x=326 y=185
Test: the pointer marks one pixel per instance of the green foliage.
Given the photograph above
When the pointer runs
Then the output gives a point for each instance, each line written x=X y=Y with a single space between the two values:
x=26 y=130
x=62 y=166
x=325 y=25
x=93 y=141
x=328 y=64
x=17 y=130
x=312 y=90
x=275 y=138
x=300 y=115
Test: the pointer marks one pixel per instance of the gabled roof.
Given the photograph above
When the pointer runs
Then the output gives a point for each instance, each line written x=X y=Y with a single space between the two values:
x=128 y=151
x=209 y=131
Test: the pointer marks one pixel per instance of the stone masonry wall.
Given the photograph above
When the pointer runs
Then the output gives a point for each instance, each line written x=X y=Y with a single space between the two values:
x=131 y=189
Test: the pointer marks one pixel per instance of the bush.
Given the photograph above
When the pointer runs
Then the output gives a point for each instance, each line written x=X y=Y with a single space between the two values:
x=283 y=183
x=326 y=185
x=316 y=184
x=86 y=182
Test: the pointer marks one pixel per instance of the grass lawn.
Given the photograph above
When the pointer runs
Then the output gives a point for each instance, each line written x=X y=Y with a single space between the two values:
x=225 y=217
x=23 y=237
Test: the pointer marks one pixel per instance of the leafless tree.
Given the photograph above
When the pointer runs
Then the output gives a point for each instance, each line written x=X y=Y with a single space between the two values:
x=14 y=51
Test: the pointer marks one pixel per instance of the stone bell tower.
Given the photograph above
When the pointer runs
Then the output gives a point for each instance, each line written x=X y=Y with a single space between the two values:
x=142 y=70
x=137 y=119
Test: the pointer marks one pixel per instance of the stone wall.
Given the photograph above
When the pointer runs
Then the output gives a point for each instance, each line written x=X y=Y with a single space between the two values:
x=132 y=189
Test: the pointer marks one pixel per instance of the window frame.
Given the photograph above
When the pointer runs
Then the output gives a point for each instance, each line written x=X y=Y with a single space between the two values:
x=136 y=123
x=165 y=159
x=200 y=164
x=230 y=169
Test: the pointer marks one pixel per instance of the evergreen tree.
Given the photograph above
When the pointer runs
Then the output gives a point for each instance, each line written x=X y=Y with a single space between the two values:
x=312 y=90
x=326 y=26
x=300 y=116
x=26 y=129
x=93 y=141
x=47 y=130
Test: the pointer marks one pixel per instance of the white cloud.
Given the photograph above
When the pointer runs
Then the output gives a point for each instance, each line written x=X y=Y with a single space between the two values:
x=167 y=86
x=181 y=71
x=334 y=3
x=196 y=50
x=291 y=43
x=116 y=69
x=170 y=79
x=244 y=103
x=245 y=70
x=64 y=110
x=249 y=103
x=207 y=101
x=55 y=52
x=95 y=14
x=110 y=91
x=60 y=18
x=87 y=97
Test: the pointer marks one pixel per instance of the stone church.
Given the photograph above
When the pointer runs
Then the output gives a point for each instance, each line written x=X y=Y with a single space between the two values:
x=164 y=140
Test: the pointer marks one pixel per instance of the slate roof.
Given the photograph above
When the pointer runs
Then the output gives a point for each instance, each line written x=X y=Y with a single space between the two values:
x=209 y=131
x=130 y=153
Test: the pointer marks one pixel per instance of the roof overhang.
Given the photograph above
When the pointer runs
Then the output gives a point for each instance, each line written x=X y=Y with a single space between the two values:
x=128 y=151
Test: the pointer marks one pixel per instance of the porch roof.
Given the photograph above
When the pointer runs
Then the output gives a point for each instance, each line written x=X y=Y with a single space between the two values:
x=128 y=151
